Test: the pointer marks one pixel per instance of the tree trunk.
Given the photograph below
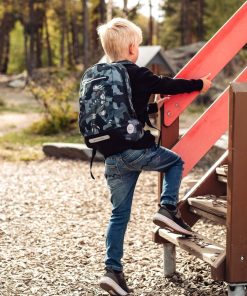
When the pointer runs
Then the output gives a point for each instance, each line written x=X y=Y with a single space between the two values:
x=62 y=47
x=63 y=34
x=5 y=57
x=125 y=8
x=85 y=35
x=39 y=47
x=48 y=43
x=98 y=17
x=1 y=50
x=150 y=37
x=185 y=23
x=200 y=24
x=109 y=10
x=6 y=25
x=102 y=11
x=75 y=40
x=69 y=49
x=31 y=52
x=26 y=47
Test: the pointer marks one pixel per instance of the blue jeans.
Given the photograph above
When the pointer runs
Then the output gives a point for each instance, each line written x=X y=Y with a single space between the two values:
x=122 y=171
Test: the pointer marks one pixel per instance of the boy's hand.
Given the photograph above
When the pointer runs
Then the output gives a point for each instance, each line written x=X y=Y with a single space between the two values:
x=160 y=101
x=206 y=83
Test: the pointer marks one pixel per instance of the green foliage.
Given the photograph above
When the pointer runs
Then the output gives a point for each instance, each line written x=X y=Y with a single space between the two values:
x=62 y=30
x=170 y=28
x=243 y=56
x=142 y=22
x=17 y=55
x=56 y=102
x=217 y=13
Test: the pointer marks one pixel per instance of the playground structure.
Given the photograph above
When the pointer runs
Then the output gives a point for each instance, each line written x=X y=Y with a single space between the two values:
x=221 y=194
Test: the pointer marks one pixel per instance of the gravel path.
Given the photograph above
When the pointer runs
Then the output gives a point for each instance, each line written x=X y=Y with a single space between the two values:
x=11 y=122
x=52 y=225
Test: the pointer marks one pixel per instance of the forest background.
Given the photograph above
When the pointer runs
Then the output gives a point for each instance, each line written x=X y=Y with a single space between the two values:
x=62 y=33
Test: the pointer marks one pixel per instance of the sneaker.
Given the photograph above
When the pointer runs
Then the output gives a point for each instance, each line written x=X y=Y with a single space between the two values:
x=114 y=283
x=172 y=220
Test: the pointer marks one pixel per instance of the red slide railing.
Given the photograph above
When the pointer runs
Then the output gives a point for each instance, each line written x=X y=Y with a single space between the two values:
x=206 y=130
x=212 y=58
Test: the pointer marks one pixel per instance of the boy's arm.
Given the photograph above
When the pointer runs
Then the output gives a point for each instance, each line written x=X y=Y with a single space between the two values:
x=164 y=85
x=159 y=101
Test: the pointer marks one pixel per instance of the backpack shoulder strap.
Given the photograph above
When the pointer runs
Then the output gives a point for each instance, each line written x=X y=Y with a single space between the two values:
x=91 y=162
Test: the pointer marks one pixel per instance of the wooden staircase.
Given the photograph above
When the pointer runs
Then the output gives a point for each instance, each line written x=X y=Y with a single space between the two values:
x=221 y=194
x=210 y=206
x=198 y=246
x=200 y=205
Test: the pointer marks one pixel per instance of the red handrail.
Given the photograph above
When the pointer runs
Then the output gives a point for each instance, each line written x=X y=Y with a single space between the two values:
x=206 y=130
x=212 y=58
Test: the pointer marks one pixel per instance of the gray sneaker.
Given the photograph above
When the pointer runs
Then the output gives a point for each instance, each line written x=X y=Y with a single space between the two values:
x=114 y=283
x=171 y=220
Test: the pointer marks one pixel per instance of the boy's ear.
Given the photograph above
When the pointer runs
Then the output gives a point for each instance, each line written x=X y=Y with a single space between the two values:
x=132 y=48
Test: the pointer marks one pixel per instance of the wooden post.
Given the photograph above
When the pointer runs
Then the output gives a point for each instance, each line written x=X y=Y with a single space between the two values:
x=169 y=137
x=169 y=259
x=236 y=248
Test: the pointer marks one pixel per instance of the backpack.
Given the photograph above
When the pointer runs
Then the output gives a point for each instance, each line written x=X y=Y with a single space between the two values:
x=106 y=109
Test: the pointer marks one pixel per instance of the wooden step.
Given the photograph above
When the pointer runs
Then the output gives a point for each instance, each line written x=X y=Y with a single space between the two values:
x=197 y=245
x=210 y=207
x=222 y=171
x=222 y=179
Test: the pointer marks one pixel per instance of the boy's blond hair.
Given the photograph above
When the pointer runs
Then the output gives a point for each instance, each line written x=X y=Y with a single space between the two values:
x=117 y=35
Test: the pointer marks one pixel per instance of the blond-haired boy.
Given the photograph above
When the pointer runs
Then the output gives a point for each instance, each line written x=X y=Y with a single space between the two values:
x=124 y=160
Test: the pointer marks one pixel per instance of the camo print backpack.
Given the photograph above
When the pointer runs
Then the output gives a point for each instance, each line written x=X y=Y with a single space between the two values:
x=106 y=110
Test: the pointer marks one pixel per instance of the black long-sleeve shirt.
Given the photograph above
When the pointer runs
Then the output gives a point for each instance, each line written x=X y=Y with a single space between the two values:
x=144 y=83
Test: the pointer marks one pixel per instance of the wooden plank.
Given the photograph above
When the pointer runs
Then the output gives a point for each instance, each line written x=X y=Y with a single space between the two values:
x=222 y=170
x=209 y=216
x=156 y=237
x=198 y=246
x=236 y=261
x=219 y=274
x=210 y=204
x=208 y=184
x=222 y=179
x=169 y=137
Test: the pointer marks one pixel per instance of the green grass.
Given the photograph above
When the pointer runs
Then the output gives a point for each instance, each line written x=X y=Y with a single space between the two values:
x=22 y=108
x=24 y=146
x=26 y=138
x=17 y=52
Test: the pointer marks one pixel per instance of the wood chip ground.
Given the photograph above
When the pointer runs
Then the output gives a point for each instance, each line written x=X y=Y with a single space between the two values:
x=53 y=219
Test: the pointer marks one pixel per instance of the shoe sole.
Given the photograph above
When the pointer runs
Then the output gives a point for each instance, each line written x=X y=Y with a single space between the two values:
x=111 y=287
x=165 y=222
